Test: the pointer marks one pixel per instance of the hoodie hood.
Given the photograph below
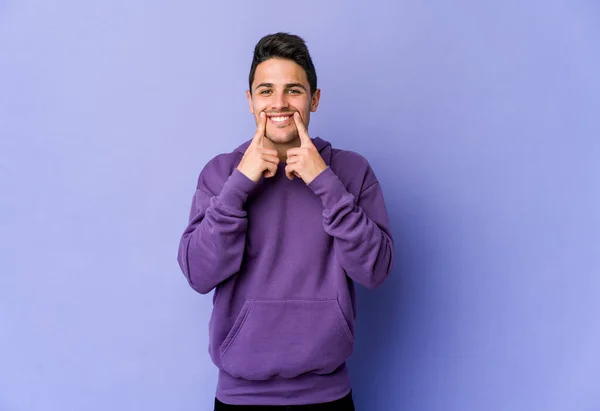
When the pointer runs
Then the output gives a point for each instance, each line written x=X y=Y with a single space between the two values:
x=323 y=147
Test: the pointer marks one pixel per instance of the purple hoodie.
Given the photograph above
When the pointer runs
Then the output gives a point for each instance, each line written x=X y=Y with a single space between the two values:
x=283 y=258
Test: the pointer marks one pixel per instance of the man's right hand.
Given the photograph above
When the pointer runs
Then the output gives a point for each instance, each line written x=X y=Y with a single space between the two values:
x=257 y=160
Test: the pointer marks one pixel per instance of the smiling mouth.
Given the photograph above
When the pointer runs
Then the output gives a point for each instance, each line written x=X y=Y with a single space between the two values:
x=281 y=119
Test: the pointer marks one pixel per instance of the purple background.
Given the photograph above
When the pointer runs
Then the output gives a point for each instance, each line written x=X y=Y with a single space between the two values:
x=479 y=118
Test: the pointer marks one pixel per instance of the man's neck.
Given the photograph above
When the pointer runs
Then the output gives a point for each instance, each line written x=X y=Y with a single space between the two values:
x=282 y=148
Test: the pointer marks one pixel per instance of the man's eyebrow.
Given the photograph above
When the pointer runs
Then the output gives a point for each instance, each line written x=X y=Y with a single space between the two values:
x=300 y=85
x=289 y=85
x=263 y=85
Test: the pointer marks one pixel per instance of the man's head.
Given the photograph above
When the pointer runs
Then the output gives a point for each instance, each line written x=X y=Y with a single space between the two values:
x=282 y=81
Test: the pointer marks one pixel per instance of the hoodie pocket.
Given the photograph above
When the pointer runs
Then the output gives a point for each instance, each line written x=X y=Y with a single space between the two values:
x=286 y=338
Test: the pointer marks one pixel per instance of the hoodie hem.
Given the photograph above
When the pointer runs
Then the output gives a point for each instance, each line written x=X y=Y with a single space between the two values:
x=302 y=390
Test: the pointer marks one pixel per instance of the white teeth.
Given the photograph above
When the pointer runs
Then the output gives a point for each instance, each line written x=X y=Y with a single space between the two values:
x=280 y=119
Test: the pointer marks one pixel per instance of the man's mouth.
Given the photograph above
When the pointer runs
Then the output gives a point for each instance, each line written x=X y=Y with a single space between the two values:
x=280 y=119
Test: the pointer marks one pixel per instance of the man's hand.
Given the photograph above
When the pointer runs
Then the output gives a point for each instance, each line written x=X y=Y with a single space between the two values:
x=257 y=160
x=304 y=161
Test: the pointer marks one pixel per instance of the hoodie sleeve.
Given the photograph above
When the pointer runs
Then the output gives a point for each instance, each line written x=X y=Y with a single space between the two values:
x=363 y=242
x=212 y=246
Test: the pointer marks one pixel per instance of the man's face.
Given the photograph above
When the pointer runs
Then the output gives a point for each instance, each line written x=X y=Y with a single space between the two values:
x=280 y=88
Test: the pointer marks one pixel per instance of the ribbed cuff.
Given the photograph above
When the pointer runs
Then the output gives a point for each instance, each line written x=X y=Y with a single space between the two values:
x=236 y=191
x=329 y=188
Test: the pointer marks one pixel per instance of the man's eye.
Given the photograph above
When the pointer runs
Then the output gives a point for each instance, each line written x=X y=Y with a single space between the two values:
x=293 y=91
x=265 y=92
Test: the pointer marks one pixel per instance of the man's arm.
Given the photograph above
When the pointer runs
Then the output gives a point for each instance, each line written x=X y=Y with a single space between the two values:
x=212 y=246
x=363 y=242
x=362 y=238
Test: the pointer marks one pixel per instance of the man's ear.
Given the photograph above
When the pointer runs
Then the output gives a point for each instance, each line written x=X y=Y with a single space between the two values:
x=314 y=100
x=249 y=97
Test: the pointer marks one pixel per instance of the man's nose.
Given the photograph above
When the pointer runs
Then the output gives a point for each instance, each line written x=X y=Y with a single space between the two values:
x=280 y=101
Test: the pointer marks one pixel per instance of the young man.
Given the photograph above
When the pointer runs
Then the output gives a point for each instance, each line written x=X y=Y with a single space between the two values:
x=281 y=228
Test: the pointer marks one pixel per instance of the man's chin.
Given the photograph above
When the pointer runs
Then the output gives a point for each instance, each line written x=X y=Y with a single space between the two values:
x=283 y=138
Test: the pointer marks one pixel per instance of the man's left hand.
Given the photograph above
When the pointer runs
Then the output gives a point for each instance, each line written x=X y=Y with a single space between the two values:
x=304 y=161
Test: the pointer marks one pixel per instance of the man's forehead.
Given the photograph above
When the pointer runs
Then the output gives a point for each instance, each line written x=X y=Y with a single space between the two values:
x=279 y=73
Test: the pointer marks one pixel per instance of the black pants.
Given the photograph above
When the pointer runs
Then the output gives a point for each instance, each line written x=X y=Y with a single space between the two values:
x=343 y=404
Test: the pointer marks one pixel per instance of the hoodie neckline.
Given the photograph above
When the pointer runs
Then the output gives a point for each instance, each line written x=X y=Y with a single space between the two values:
x=319 y=143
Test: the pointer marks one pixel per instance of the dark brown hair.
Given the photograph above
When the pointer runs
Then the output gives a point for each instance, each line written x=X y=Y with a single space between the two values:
x=284 y=46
